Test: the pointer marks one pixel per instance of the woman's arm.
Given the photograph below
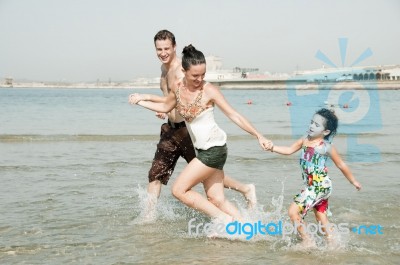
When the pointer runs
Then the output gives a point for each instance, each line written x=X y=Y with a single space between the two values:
x=216 y=96
x=288 y=150
x=153 y=102
x=340 y=164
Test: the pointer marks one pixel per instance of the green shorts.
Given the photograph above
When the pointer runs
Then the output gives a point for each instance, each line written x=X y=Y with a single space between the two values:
x=214 y=157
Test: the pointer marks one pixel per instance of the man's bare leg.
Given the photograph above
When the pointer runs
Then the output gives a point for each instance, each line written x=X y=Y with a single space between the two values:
x=248 y=190
x=153 y=193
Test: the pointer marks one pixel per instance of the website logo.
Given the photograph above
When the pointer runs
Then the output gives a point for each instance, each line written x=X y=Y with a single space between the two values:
x=249 y=230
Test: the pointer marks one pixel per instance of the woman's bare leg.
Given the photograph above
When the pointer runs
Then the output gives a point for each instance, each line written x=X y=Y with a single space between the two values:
x=248 y=190
x=194 y=173
x=214 y=188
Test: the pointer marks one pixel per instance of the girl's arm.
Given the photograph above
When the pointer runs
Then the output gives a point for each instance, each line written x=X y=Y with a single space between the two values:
x=153 y=102
x=216 y=96
x=288 y=150
x=340 y=164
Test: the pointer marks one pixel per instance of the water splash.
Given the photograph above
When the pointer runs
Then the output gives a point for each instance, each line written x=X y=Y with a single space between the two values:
x=151 y=209
x=172 y=218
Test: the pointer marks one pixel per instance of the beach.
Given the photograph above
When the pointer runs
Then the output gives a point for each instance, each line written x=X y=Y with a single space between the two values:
x=74 y=164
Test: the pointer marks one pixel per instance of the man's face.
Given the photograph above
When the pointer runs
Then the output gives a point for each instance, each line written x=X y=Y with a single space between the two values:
x=165 y=50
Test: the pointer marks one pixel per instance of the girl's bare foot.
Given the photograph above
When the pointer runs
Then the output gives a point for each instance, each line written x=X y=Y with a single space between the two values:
x=308 y=243
x=333 y=242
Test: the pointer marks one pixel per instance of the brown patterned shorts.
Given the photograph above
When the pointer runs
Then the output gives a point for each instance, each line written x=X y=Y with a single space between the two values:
x=174 y=142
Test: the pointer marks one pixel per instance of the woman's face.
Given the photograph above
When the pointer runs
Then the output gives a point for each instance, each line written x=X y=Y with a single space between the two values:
x=195 y=75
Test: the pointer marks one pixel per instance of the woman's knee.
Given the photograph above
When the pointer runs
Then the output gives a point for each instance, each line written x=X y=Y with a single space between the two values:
x=217 y=200
x=177 y=191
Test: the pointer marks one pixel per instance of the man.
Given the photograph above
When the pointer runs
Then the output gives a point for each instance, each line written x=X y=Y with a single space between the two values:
x=175 y=140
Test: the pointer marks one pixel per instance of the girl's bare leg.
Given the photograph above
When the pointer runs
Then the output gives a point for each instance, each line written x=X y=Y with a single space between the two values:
x=329 y=232
x=323 y=219
x=295 y=216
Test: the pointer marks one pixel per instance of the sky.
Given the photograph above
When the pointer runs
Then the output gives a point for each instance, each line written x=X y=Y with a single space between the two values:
x=103 y=40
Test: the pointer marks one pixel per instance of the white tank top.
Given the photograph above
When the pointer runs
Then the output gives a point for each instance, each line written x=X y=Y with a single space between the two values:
x=205 y=132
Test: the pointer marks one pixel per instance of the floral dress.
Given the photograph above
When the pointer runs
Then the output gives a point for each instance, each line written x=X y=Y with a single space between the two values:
x=318 y=185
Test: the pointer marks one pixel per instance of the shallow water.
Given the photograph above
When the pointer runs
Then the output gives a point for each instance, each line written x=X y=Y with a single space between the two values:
x=73 y=168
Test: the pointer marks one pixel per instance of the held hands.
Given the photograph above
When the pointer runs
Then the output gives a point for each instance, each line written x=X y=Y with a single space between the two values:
x=265 y=143
x=270 y=147
x=135 y=98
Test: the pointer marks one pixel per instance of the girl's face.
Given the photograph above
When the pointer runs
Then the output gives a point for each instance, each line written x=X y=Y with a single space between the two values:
x=195 y=75
x=317 y=127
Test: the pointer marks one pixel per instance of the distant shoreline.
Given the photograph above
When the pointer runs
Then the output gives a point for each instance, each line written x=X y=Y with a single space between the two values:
x=304 y=85
x=241 y=84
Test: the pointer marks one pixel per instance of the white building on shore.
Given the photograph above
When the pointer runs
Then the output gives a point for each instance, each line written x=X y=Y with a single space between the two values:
x=360 y=73
x=216 y=72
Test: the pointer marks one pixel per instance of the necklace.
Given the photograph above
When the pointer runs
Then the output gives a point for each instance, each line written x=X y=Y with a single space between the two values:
x=192 y=109
x=193 y=99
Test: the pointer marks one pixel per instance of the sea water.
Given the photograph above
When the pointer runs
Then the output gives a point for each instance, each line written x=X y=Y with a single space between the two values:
x=73 y=172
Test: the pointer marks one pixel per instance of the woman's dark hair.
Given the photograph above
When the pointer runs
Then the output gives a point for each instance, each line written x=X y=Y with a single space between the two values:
x=165 y=35
x=331 y=121
x=191 y=56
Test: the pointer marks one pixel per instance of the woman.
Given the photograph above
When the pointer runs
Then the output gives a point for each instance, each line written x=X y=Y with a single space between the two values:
x=194 y=100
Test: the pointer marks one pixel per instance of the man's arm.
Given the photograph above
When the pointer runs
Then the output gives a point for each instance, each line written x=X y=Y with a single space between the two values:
x=165 y=104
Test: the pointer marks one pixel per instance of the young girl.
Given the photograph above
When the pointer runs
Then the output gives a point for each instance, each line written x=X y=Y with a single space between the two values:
x=315 y=150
